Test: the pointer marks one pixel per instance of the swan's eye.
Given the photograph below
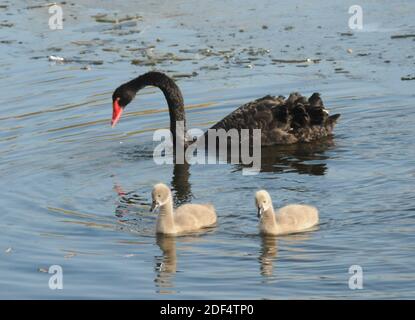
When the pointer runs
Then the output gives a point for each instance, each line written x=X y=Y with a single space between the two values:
x=264 y=201
x=158 y=196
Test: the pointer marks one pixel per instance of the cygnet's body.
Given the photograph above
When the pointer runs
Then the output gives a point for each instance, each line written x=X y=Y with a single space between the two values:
x=186 y=218
x=289 y=219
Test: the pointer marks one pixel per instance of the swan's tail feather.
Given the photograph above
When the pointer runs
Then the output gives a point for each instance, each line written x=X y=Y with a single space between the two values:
x=333 y=119
x=315 y=101
x=331 y=122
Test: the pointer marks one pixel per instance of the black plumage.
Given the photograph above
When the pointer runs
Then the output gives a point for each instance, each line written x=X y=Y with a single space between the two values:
x=283 y=121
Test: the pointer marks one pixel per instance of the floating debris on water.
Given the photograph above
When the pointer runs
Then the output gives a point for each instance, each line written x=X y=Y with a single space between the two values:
x=41 y=5
x=122 y=33
x=349 y=50
x=340 y=70
x=347 y=34
x=136 y=62
x=70 y=255
x=104 y=18
x=403 y=36
x=56 y=59
x=56 y=49
x=296 y=61
x=7 y=41
x=150 y=58
x=215 y=67
x=89 y=43
x=8 y=250
x=69 y=60
x=185 y=75
x=111 y=49
x=6 y=24
x=99 y=15
x=256 y=51
x=408 y=77
x=44 y=270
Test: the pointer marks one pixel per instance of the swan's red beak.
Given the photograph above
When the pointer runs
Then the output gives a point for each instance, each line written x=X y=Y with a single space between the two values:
x=116 y=113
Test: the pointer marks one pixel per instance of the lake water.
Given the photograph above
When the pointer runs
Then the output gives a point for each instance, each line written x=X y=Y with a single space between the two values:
x=76 y=193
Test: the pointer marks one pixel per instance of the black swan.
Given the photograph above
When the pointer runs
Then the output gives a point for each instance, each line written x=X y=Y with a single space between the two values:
x=282 y=121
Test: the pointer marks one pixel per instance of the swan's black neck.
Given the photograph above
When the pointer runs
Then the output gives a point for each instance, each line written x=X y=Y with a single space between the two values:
x=171 y=92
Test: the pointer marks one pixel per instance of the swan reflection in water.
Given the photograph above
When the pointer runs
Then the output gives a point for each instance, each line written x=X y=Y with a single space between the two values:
x=268 y=251
x=180 y=184
x=165 y=265
x=305 y=158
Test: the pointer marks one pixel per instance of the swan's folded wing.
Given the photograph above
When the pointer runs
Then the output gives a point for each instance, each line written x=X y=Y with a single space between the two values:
x=298 y=215
x=194 y=216
x=258 y=114
x=269 y=112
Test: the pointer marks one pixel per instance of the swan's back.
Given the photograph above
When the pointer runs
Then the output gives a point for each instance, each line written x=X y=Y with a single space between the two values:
x=283 y=121
x=296 y=217
x=194 y=216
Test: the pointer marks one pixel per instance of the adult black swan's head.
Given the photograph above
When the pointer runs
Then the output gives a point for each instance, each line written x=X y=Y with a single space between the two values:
x=125 y=93
x=121 y=97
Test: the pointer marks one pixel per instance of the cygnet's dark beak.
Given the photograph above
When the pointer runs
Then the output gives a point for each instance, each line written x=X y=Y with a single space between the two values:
x=154 y=206
x=260 y=212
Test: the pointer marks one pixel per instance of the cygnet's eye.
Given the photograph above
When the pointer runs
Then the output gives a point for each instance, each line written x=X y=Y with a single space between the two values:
x=264 y=201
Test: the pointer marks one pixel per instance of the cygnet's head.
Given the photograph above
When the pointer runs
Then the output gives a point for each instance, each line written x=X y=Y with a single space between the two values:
x=161 y=194
x=263 y=202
